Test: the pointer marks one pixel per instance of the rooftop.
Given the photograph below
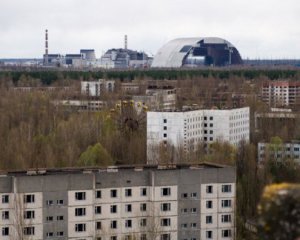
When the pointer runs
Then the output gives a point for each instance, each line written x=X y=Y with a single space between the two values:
x=83 y=170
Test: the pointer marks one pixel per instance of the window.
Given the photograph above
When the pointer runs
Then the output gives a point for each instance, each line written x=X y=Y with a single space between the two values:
x=143 y=236
x=97 y=209
x=80 y=195
x=60 y=202
x=49 y=218
x=165 y=120
x=128 y=192
x=209 y=219
x=209 y=204
x=128 y=223
x=79 y=212
x=193 y=195
x=211 y=131
x=165 y=236
x=193 y=225
x=128 y=208
x=193 y=210
x=113 y=193
x=29 y=198
x=211 y=139
x=165 y=192
x=49 y=234
x=5 y=231
x=5 y=215
x=113 y=224
x=113 y=208
x=113 y=238
x=184 y=210
x=205 y=118
x=28 y=231
x=184 y=225
x=143 y=207
x=98 y=225
x=98 y=194
x=209 y=234
x=59 y=234
x=165 y=135
x=143 y=222
x=211 y=125
x=28 y=214
x=226 y=203
x=209 y=189
x=165 y=207
x=165 y=127
x=60 y=218
x=165 y=222
x=226 y=233
x=211 y=118
x=49 y=202
x=184 y=195
x=80 y=227
x=226 y=188
x=143 y=191
x=5 y=198
x=226 y=218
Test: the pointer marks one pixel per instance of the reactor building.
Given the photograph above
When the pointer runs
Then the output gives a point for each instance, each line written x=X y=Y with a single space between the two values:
x=195 y=52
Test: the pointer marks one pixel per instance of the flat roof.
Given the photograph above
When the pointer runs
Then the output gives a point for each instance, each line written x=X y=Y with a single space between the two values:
x=77 y=170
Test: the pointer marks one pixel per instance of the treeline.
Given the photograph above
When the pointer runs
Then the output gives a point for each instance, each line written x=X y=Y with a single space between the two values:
x=49 y=77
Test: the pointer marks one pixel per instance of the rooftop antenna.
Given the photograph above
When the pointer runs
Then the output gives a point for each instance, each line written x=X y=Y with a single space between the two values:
x=46 y=47
x=125 y=42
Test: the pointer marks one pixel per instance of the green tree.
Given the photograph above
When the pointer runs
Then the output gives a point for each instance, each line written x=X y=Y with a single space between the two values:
x=95 y=156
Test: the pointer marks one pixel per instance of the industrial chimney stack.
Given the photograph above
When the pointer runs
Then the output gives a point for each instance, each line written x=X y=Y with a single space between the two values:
x=125 y=42
x=46 y=47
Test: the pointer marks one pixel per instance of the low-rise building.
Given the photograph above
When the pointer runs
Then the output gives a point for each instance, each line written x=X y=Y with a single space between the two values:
x=96 y=88
x=82 y=105
x=158 y=98
x=130 y=202
x=279 y=152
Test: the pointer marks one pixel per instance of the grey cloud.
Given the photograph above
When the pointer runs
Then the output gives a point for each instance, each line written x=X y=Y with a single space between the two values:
x=259 y=28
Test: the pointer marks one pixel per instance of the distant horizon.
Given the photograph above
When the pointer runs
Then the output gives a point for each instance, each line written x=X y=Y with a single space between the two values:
x=258 y=29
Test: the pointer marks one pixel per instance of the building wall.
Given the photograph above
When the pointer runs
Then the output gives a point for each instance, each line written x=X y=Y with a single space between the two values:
x=187 y=129
x=279 y=152
x=95 y=88
x=152 y=194
x=281 y=93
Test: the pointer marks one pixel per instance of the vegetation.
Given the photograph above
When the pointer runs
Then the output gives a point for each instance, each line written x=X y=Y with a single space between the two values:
x=35 y=132
x=279 y=212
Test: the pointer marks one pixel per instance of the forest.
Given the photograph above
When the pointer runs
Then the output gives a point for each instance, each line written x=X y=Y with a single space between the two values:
x=36 y=133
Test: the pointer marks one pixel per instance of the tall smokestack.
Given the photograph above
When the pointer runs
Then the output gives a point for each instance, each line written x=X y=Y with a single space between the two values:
x=125 y=42
x=46 y=47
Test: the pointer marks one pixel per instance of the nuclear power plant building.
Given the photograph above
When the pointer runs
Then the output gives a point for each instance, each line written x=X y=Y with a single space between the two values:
x=193 y=52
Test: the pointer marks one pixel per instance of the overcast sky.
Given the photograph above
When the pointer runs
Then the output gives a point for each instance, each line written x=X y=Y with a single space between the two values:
x=258 y=28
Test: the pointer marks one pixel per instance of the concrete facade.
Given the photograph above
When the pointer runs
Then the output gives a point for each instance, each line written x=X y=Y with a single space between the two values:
x=279 y=151
x=189 y=128
x=281 y=93
x=95 y=88
x=145 y=202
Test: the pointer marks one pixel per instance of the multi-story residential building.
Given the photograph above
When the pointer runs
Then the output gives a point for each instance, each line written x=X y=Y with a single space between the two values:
x=130 y=202
x=281 y=93
x=96 y=88
x=279 y=152
x=187 y=129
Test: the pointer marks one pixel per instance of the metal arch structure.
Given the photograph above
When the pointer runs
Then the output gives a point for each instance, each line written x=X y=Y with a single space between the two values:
x=215 y=51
